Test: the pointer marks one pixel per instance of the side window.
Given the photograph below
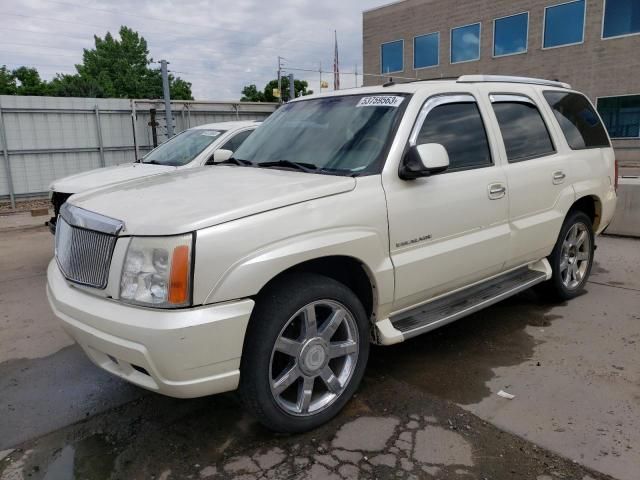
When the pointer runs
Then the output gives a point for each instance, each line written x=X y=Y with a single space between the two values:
x=459 y=128
x=236 y=141
x=524 y=132
x=578 y=120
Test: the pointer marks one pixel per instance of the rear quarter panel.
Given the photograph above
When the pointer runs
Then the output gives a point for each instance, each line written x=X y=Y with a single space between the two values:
x=592 y=170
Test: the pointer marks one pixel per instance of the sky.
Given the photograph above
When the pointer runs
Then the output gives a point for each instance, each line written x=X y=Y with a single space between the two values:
x=217 y=45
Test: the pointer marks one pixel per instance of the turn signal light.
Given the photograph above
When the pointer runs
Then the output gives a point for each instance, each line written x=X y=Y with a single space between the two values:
x=179 y=280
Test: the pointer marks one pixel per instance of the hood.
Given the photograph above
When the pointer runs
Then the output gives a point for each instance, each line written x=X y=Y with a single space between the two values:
x=101 y=177
x=192 y=199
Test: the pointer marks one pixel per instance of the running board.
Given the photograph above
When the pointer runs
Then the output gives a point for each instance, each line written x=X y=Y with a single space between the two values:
x=465 y=302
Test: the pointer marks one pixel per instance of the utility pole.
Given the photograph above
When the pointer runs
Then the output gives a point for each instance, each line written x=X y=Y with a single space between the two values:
x=336 y=64
x=280 y=78
x=320 y=70
x=167 y=97
x=356 y=70
x=292 y=87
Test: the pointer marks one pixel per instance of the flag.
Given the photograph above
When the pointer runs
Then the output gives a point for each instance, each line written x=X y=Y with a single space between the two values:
x=336 y=64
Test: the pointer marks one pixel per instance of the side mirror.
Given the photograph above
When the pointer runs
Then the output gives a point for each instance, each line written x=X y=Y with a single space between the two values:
x=424 y=160
x=220 y=156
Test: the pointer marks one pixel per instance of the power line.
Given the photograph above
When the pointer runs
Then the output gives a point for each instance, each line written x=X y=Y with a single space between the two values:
x=148 y=33
x=144 y=17
x=160 y=19
x=48 y=34
x=179 y=57
x=39 y=46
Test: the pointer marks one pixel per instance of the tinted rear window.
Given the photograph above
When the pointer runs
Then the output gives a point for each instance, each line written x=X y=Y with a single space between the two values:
x=523 y=130
x=577 y=118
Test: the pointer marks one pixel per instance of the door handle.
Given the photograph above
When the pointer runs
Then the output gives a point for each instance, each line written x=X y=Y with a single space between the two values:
x=497 y=191
x=558 y=177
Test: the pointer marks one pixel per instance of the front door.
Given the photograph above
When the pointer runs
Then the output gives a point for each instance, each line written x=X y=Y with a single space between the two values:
x=450 y=229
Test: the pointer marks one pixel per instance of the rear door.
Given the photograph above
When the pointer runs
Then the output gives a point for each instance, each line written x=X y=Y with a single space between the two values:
x=538 y=176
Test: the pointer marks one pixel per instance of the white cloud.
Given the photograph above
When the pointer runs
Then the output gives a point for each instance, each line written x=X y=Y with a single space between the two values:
x=218 y=45
x=470 y=38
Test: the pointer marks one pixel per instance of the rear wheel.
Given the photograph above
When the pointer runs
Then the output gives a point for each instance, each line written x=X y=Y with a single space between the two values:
x=572 y=257
x=305 y=353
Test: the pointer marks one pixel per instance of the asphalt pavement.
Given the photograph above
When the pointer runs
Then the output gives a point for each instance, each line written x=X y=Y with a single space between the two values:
x=428 y=408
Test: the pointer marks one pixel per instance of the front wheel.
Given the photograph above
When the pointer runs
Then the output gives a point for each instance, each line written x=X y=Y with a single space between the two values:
x=572 y=257
x=305 y=353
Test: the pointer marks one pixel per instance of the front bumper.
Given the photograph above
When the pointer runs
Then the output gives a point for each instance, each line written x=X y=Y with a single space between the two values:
x=180 y=353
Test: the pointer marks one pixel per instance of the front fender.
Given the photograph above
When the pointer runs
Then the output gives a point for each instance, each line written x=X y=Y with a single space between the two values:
x=247 y=276
x=237 y=259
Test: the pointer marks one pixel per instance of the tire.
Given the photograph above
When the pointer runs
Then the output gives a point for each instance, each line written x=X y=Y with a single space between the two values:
x=284 y=358
x=568 y=280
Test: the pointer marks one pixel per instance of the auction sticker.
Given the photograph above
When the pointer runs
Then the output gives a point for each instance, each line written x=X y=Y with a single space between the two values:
x=380 y=101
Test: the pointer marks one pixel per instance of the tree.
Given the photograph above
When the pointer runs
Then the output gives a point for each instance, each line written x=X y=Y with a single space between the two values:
x=114 y=68
x=7 y=81
x=122 y=68
x=180 y=89
x=250 y=93
x=29 y=82
x=74 y=86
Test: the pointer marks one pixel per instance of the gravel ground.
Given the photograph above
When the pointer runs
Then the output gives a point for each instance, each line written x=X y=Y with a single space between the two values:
x=24 y=205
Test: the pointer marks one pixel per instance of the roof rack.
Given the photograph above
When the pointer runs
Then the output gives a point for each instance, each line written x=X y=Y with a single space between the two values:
x=510 y=79
x=392 y=81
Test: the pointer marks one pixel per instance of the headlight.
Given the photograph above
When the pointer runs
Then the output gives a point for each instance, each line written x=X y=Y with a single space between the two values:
x=157 y=271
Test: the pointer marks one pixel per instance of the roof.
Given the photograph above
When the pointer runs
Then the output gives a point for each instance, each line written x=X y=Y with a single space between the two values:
x=416 y=85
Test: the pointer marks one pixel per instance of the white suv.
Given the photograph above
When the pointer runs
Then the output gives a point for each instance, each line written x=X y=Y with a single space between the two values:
x=191 y=148
x=358 y=217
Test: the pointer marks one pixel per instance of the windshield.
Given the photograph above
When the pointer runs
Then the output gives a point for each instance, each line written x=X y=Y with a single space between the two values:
x=182 y=148
x=343 y=134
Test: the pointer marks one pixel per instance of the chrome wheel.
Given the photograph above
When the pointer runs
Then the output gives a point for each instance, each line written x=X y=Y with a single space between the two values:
x=575 y=256
x=314 y=358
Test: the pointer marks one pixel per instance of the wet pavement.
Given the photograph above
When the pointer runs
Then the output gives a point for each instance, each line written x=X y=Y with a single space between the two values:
x=428 y=408
x=380 y=435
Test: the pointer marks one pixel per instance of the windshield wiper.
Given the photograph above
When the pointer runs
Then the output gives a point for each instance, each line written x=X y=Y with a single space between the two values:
x=305 y=167
x=235 y=161
x=153 y=162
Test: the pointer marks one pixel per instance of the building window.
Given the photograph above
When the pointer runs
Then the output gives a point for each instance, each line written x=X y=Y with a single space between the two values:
x=465 y=43
x=578 y=120
x=459 y=128
x=564 y=24
x=426 y=50
x=524 y=132
x=392 y=54
x=510 y=34
x=621 y=115
x=621 y=17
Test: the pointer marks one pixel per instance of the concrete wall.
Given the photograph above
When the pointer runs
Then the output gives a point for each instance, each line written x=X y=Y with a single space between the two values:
x=44 y=138
x=626 y=221
x=597 y=67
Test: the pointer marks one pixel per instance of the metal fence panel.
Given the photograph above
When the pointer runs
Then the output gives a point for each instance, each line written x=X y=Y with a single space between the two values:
x=53 y=137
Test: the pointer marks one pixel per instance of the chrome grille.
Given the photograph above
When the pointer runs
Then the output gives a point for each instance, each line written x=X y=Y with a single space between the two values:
x=84 y=256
